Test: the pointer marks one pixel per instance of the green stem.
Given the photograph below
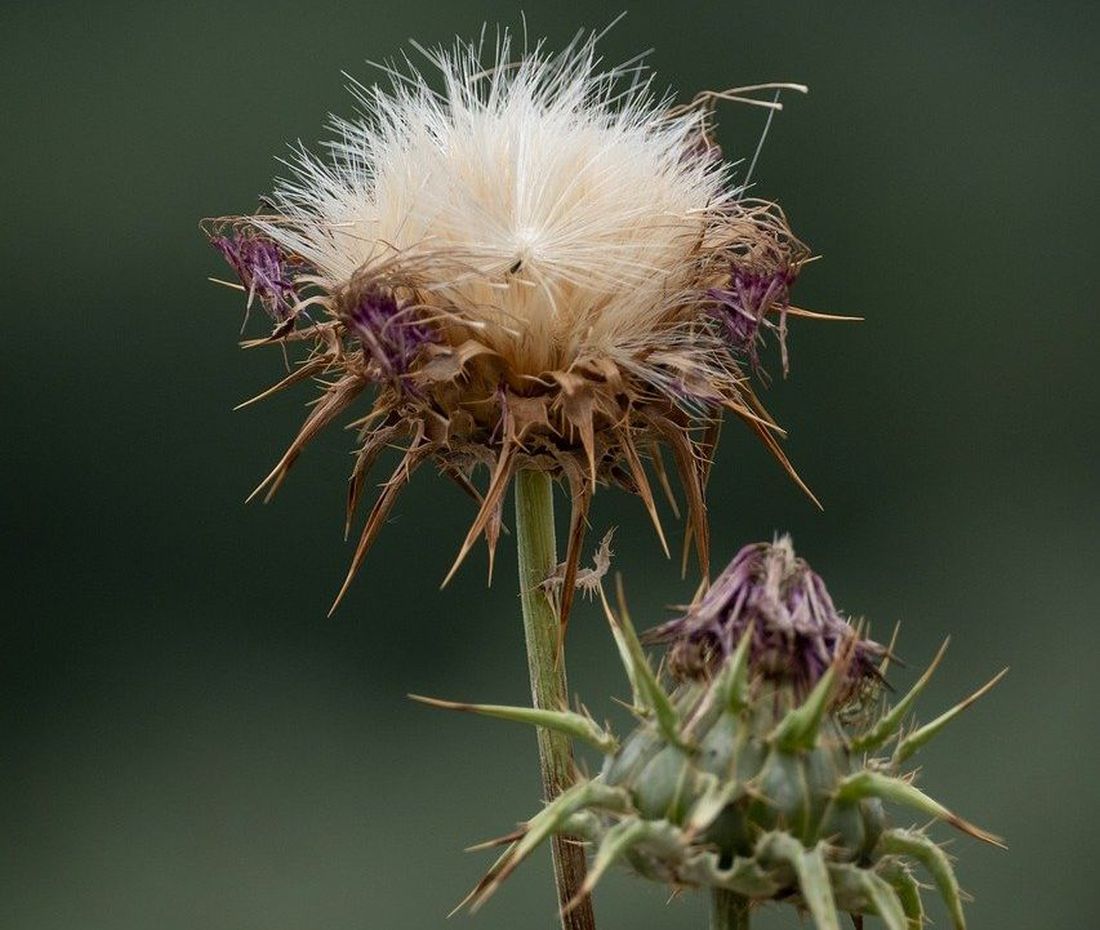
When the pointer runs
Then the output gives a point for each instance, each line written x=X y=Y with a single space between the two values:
x=538 y=559
x=729 y=911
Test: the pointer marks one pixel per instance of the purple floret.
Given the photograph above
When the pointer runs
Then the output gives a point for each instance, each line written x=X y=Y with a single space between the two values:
x=264 y=270
x=797 y=631
x=391 y=335
x=743 y=305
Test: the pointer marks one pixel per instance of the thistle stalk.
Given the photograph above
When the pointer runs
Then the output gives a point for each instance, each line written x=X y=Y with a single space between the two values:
x=728 y=910
x=537 y=547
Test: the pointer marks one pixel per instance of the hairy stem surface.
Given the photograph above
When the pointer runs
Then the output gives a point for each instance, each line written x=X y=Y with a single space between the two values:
x=538 y=558
x=729 y=911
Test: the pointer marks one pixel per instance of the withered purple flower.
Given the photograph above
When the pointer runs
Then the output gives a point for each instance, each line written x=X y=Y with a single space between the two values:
x=797 y=632
x=391 y=334
x=264 y=270
x=756 y=288
x=743 y=306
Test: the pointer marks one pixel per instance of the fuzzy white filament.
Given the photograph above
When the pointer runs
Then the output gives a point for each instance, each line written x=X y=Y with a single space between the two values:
x=556 y=206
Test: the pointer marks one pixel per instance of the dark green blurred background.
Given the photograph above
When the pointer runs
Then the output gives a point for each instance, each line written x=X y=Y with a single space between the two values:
x=189 y=743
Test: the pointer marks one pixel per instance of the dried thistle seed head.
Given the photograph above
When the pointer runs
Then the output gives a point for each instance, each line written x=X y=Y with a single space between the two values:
x=796 y=633
x=538 y=264
x=739 y=782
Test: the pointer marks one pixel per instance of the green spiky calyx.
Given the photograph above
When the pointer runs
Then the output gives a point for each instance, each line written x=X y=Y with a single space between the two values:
x=749 y=785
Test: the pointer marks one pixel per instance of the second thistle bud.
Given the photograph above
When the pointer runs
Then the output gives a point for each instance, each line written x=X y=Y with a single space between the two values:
x=749 y=775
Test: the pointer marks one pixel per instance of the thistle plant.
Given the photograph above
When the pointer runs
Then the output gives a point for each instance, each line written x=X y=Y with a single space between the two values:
x=762 y=762
x=535 y=270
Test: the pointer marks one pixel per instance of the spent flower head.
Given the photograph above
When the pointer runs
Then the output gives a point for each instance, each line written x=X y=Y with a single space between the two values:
x=795 y=632
x=536 y=264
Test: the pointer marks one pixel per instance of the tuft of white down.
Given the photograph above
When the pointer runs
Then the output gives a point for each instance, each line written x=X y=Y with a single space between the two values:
x=556 y=207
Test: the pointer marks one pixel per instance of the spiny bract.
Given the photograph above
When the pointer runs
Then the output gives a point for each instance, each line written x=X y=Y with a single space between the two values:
x=745 y=781
x=541 y=264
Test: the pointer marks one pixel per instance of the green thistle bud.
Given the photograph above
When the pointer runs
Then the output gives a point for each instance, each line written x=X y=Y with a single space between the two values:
x=752 y=783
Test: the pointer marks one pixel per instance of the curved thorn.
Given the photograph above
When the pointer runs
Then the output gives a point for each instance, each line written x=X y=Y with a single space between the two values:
x=492 y=537
x=915 y=740
x=573 y=725
x=493 y=495
x=473 y=893
x=543 y=825
x=715 y=798
x=798 y=728
x=891 y=721
x=683 y=454
x=907 y=889
x=662 y=478
x=887 y=903
x=299 y=374
x=649 y=689
x=781 y=457
x=733 y=680
x=934 y=859
x=625 y=655
x=868 y=784
x=869 y=892
x=365 y=458
x=645 y=492
x=749 y=417
x=377 y=518
x=496 y=841
x=615 y=844
x=884 y=665
x=817 y=315
x=812 y=874
x=331 y=404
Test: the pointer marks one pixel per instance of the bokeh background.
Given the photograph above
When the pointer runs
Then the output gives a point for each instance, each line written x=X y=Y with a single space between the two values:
x=187 y=741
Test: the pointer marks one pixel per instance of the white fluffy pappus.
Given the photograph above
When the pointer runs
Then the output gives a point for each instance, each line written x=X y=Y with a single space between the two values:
x=559 y=206
x=523 y=263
